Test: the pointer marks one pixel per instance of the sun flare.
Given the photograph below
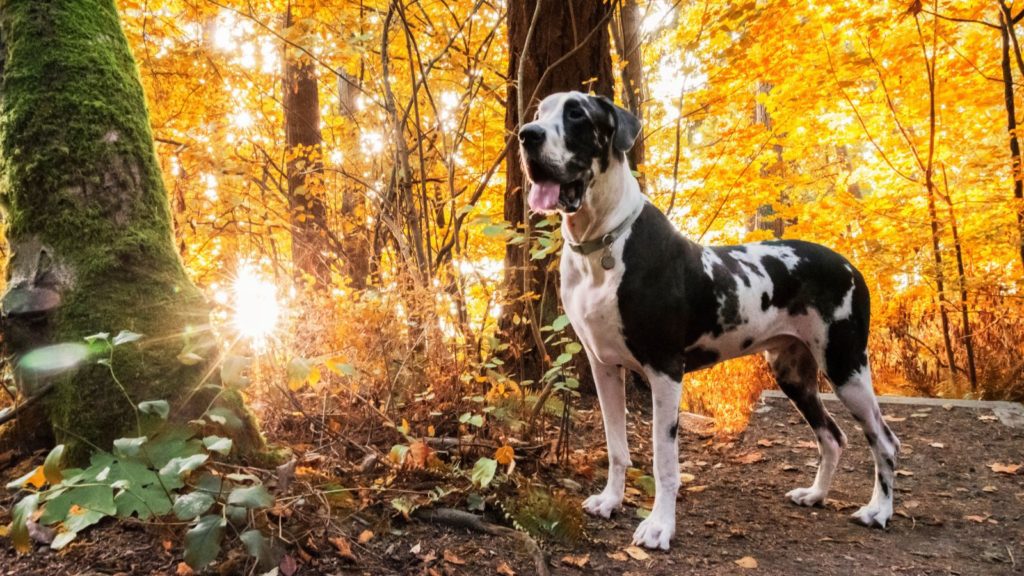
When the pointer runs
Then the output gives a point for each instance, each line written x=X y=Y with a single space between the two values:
x=256 y=309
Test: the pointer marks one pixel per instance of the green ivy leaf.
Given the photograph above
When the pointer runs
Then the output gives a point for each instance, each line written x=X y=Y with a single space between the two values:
x=218 y=444
x=192 y=505
x=97 y=336
x=483 y=472
x=22 y=511
x=129 y=446
x=560 y=323
x=258 y=546
x=52 y=465
x=159 y=407
x=225 y=417
x=202 y=541
x=251 y=497
x=125 y=337
x=232 y=371
x=91 y=503
x=180 y=466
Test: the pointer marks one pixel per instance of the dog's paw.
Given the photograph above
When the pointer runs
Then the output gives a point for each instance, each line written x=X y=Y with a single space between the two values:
x=807 y=496
x=874 y=515
x=601 y=504
x=654 y=532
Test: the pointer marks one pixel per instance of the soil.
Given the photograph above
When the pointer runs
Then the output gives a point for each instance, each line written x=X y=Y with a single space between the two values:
x=955 y=515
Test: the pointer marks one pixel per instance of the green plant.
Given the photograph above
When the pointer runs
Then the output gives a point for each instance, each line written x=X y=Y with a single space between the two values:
x=167 y=468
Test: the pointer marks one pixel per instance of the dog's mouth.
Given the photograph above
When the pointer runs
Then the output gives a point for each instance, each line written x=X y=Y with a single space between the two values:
x=550 y=192
x=549 y=196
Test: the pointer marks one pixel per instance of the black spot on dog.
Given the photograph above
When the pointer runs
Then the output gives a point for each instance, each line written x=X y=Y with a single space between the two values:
x=766 y=302
x=883 y=484
x=673 y=431
x=747 y=342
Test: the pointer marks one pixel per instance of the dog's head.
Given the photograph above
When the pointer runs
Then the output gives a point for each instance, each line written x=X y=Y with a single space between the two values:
x=574 y=139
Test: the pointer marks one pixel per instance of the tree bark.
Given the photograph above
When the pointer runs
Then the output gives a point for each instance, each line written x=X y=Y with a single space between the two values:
x=1011 y=127
x=627 y=38
x=90 y=227
x=310 y=245
x=577 y=29
x=965 y=318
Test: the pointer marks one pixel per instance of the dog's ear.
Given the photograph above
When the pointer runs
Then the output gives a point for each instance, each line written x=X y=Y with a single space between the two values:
x=627 y=126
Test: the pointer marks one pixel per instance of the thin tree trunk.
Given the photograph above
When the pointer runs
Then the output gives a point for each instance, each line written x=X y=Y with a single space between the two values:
x=929 y=179
x=310 y=246
x=577 y=28
x=972 y=372
x=1011 y=127
x=90 y=228
x=627 y=38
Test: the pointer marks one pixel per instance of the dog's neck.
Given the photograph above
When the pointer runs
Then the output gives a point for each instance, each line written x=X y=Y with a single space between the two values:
x=612 y=197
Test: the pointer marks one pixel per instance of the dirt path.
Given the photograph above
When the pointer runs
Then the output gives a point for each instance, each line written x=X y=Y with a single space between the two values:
x=954 y=514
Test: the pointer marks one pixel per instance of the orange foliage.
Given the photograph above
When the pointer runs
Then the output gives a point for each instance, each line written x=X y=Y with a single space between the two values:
x=810 y=119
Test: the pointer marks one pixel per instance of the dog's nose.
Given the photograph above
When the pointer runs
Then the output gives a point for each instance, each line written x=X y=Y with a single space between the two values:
x=531 y=136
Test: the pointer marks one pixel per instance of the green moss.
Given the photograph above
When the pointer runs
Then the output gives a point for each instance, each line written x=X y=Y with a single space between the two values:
x=78 y=171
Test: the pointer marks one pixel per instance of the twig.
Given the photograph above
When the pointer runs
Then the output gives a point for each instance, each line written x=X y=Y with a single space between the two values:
x=11 y=414
x=460 y=519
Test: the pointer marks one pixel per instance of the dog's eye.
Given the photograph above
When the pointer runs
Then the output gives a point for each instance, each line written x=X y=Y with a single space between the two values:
x=576 y=114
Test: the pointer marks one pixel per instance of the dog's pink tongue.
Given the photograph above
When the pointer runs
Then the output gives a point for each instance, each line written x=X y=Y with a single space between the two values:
x=544 y=196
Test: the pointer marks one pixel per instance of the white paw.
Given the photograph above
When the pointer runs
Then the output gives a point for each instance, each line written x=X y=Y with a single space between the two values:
x=873 y=515
x=601 y=504
x=807 y=496
x=655 y=532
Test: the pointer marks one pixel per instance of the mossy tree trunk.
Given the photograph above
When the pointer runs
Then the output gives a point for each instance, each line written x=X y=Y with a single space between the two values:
x=89 y=222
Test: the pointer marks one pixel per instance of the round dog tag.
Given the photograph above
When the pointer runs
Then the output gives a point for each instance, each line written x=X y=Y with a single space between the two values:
x=607 y=262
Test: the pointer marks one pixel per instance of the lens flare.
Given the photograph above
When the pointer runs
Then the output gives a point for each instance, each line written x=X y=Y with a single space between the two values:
x=256 y=308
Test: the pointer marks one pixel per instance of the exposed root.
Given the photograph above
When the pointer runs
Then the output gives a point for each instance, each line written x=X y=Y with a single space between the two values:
x=461 y=519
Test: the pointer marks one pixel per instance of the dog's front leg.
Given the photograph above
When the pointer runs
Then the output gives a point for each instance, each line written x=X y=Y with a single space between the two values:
x=657 y=530
x=611 y=392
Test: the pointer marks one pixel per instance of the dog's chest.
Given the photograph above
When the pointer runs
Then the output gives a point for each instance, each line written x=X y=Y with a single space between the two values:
x=590 y=297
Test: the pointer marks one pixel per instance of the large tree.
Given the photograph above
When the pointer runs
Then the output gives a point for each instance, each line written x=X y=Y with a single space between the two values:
x=89 y=226
x=553 y=47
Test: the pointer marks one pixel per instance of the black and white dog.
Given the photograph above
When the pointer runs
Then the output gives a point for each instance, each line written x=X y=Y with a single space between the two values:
x=644 y=298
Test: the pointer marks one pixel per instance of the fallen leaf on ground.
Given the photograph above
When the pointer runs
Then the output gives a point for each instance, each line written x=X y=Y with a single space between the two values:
x=746 y=562
x=947 y=407
x=686 y=478
x=618 y=556
x=889 y=418
x=451 y=558
x=696 y=489
x=807 y=444
x=750 y=458
x=937 y=445
x=765 y=443
x=1001 y=468
x=919 y=415
x=183 y=570
x=989 y=488
x=288 y=565
x=637 y=553
x=343 y=547
x=365 y=536
x=505 y=570
x=976 y=518
x=987 y=418
x=904 y=473
x=504 y=455
x=576 y=561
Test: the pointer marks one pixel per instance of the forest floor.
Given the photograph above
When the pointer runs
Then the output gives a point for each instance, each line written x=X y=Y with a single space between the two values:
x=960 y=510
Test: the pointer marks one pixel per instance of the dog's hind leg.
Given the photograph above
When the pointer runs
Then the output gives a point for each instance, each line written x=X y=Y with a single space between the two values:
x=796 y=372
x=611 y=392
x=859 y=397
x=658 y=528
